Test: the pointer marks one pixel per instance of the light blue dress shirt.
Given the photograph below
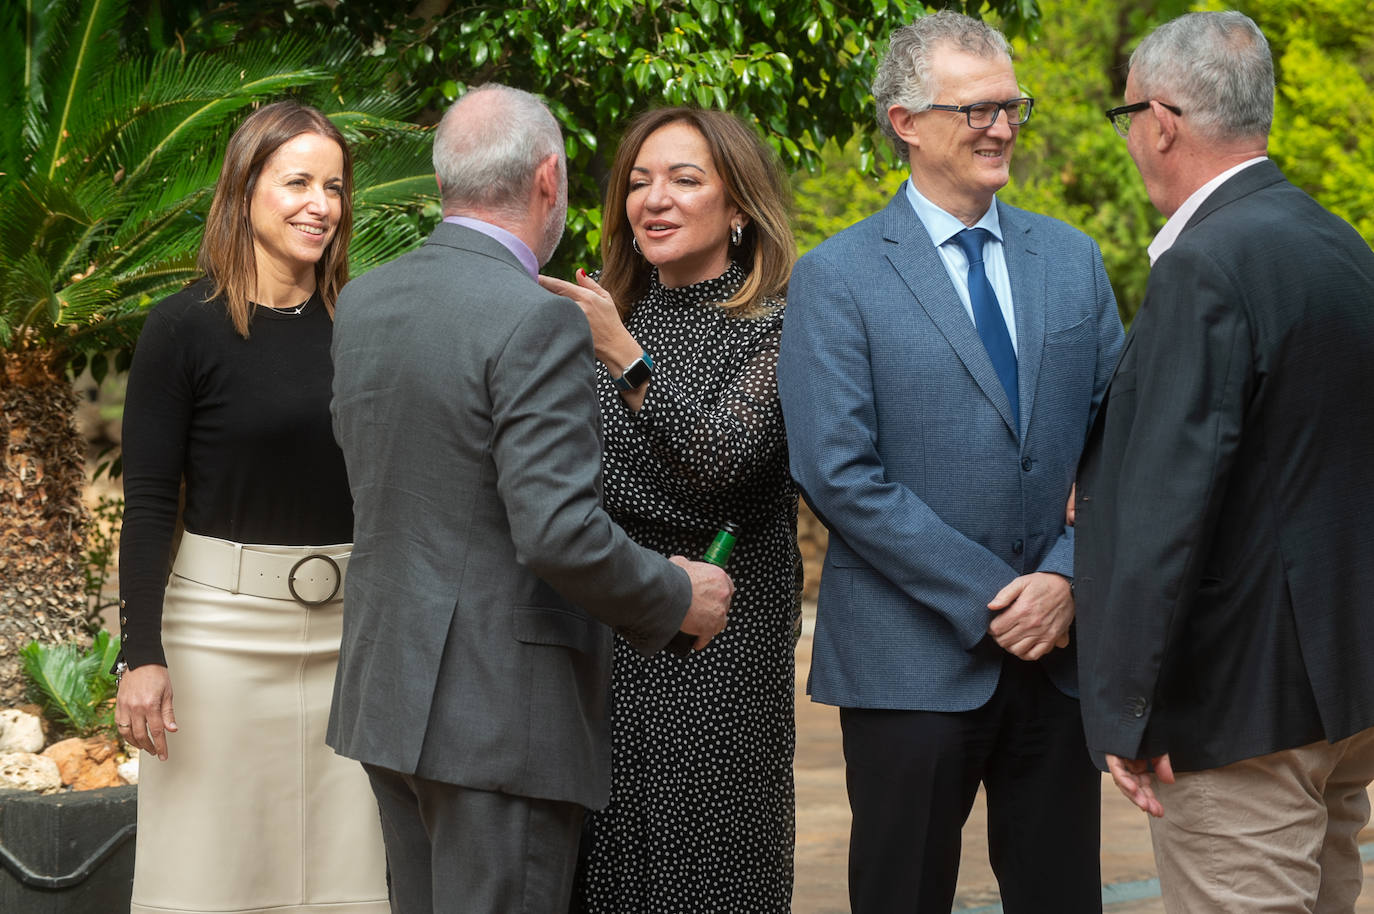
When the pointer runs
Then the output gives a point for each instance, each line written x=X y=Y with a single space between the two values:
x=942 y=228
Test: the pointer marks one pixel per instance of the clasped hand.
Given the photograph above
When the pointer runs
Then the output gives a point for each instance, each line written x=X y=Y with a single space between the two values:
x=1033 y=616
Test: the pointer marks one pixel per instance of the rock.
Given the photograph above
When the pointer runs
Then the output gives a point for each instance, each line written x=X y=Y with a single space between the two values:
x=37 y=711
x=20 y=732
x=26 y=771
x=86 y=764
x=70 y=757
x=94 y=776
x=129 y=771
x=98 y=749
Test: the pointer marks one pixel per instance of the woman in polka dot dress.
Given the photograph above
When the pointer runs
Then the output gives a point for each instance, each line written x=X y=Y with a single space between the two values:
x=696 y=240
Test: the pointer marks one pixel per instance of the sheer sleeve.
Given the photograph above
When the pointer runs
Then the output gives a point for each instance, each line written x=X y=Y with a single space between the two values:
x=695 y=441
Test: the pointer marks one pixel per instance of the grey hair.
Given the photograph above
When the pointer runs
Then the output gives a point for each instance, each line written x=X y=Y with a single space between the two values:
x=488 y=145
x=904 y=76
x=1217 y=67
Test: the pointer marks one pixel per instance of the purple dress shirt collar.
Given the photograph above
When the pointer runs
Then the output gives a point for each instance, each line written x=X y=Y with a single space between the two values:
x=511 y=243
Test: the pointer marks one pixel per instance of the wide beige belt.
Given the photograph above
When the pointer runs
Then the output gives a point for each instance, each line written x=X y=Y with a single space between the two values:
x=309 y=575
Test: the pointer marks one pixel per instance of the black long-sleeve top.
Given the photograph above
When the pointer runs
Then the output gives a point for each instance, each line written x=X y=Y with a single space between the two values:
x=245 y=423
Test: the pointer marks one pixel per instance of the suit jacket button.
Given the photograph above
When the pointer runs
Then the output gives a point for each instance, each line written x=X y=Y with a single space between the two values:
x=1017 y=546
x=1136 y=706
x=1026 y=464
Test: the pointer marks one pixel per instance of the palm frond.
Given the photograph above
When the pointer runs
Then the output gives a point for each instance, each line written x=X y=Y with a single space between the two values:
x=58 y=680
x=170 y=234
x=73 y=75
x=381 y=234
x=210 y=113
x=138 y=291
x=73 y=687
x=14 y=61
x=26 y=284
x=85 y=299
x=394 y=168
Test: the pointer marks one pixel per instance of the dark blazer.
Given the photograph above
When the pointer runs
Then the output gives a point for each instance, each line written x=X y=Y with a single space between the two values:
x=901 y=438
x=1225 y=548
x=465 y=404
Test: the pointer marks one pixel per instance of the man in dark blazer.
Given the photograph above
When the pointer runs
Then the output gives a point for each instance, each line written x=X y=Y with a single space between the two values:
x=1225 y=545
x=943 y=474
x=475 y=664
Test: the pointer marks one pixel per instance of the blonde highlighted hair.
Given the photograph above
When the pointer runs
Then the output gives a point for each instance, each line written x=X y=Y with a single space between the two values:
x=753 y=179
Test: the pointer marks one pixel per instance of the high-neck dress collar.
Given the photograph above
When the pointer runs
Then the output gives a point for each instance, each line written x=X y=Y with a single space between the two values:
x=708 y=290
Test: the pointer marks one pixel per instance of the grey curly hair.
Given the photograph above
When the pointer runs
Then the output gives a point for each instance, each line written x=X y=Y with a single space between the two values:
x=904 y=76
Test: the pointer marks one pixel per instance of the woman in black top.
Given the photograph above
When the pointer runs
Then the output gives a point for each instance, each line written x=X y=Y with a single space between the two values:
x=245 y=808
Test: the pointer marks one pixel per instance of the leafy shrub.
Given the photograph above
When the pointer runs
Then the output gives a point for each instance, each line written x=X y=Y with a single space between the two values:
x=75 y=688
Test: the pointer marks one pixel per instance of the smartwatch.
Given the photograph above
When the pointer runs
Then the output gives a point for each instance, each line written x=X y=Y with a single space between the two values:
x=636 y=374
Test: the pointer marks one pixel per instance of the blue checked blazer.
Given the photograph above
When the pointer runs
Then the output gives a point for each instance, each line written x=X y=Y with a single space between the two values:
x=902 y=441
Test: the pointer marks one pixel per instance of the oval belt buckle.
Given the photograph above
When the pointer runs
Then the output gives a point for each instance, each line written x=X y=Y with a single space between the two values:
x=291 y=580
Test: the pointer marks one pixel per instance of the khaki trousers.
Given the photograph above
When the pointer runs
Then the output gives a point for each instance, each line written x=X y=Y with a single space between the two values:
x=1276 y=833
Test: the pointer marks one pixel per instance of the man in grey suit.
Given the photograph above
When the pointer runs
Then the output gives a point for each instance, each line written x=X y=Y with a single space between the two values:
x=940 y=365
x=474 y=669
x=1225 y=543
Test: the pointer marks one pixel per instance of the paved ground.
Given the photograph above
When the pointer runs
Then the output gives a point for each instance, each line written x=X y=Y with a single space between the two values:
x=1128 y=870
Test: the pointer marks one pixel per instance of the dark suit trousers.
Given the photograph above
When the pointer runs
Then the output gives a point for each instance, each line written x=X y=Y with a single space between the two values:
x=451 y=848
x=913 y=777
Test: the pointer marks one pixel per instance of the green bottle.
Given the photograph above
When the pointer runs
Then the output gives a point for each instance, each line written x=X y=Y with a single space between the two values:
x=718 y=553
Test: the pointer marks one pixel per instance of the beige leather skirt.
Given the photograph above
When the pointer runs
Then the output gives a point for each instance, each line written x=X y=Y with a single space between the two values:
x=252 y=812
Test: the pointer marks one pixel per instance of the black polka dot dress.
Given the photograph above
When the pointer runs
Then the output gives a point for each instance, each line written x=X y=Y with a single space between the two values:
x=701 y=812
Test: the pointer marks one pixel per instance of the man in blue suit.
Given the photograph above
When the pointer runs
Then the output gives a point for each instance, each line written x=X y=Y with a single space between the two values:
x=938 y=384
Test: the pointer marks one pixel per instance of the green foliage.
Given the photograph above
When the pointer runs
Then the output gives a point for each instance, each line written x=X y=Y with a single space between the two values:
x=109 y=172
x=1323 y=136
x=838 y=194
x=101 y=553
x=799 y=71
x=1069 y=163
x=74 y=687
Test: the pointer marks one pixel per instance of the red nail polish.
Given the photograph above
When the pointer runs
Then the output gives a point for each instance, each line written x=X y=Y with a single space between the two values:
x=581 y=272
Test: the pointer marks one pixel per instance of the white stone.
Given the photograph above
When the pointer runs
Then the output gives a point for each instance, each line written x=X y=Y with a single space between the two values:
x=129 y=771
x=27 y=771
x=20 y=732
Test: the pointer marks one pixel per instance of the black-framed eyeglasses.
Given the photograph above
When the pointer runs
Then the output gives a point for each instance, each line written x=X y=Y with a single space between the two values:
x=982 y=115
x=1121 y=117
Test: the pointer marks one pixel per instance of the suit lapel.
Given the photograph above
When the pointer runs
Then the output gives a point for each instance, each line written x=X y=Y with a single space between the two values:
x=1026 y=270
x=919 y=265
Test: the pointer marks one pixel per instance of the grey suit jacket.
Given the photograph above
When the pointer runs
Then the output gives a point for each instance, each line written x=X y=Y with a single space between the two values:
x=901 y=438
x=472 y=653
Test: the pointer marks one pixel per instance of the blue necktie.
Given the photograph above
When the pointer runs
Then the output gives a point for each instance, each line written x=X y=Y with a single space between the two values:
x=987 y=314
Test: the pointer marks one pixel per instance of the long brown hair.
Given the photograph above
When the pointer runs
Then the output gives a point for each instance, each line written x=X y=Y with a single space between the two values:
x=226 y=251
x=753 y=178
